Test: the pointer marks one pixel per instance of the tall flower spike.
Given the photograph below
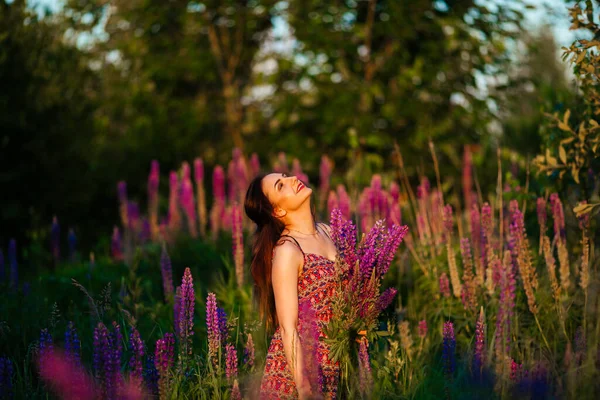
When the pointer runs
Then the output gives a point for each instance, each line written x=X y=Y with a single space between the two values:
x=218 y=208
x=449 y=226
x=231 y=362
x=422 y=329
x=163 y=360
x=394 y=237
x=448 y=351
x=137 y=355
x=166 y=272
x=238 y=243
x=186 y=317
x=72 y=343
x=222 y=317
x=200 y=194
x=188 y=203
x=444 y=285
x=344 y=201
x=478 y=359
x=212 y=325
x=364 y=367
x=249 y=352
x=174 y=214
x=254 y=164
x=116 y=245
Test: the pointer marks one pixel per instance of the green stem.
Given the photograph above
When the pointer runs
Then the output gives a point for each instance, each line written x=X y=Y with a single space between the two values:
x=540 y=328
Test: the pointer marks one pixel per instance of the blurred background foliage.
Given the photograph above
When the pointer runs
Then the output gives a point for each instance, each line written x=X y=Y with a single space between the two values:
x=96 y=89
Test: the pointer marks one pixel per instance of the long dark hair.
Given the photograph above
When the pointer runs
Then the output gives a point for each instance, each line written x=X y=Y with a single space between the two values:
x=268 y=231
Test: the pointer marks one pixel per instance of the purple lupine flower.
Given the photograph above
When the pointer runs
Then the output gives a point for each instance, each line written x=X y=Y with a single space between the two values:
x=343 y=234
x=213 y=328
x=371 y=248
x=133 y=216
x=116 y=245
x=163 y=360
x=188 y=202
x=200 y=194
x=332 y=201
x=478 y=359
x=136 y=345
x=186 y=315
x=325 y=169
x=235 y=391
x=506 y=302
x=343 y=201
x=72 y=343
x=177 y=310
x=55 y=239
x=444 y=285
x=151 y=376
x=174 y=214
x=222 y=317
x=46 y=342
x=72 y=242
x=145 y=231
x=448 y=219
x=117 y=351
x=166 y=272
x=422 y=329
x=254 y=164
x=231 y=368
x=364 y=367
x=122 y=195
x=6 y=378
x=103 y=360
x=386 y=298
x=393 y=238
x=12 y=261
x=249 y=352
x=2 y=267
x=448 y=351
x=238 y=243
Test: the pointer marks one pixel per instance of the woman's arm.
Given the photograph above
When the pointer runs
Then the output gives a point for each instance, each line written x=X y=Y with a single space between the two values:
x=286 y=263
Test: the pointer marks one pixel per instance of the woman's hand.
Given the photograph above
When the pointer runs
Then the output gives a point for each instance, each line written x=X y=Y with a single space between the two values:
x=361 y=333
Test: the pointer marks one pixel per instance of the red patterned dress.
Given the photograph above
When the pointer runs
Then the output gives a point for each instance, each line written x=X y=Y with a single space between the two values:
x=317 y=283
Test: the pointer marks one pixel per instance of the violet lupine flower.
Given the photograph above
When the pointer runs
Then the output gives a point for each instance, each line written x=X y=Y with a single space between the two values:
x=448 y=351
x=6 y=376
x=238 y=242
x=72 y=243
x=116 y=245
x=12 y=261
x=151 y=376
x=72 y=343
x=188 y=203
x=46 y=342
x=122 y=195
x=104 y=361
x=133 y=216
x=332 y=202
x=231 y=361
x=136 y=346
x=371 y=249
x=422 y=329
x=218 y=208
x=186 y=315
x=506 y=302
x=166 y=272
x=213 y=327
x=364 y=367
x=177 y=310
x=222 y=317
x=386 y=298
x=478 y=358
x=444 y=285
x=163 y=360
x=254 y=164
x=249 y=352
x=343 y=234
x=343 y=201
x=393 y=238
x=55 y=239
x=2 y=267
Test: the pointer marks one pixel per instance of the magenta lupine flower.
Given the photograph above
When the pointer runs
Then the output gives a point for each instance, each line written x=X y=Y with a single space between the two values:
x=332 y=202
x=174 y=214
x=448 y=350
x=506 y=303
x=386 y=298
x=393 y=238
x=212 y=325
x=448 y=219
x=444 y=285
x=115 y=355
x=186 y=315
x=72 y=343
x=343 y=201
x=167 y=273
x=249 y=352
x=238 y=243
x=222 y=318
x=371 y=249
x=515 y=371
x=364 y=367
x=107 y=359
x=240 y=179
x=297 y=171
x=55 y=239
x=163 y=360
x=136 y=345
x=231 y=361
x=133 y=216
x=478 y=358
x=235 y=391
x=122 y=195
x=343 y=234
x=153 y=182
x=66 y=379
x=486 y=223
x=325 y=169
x=188 y=203
x=116 y=245
x=201 y=195
x=218 y=208
x=422 y=329
x=254 y=164
x=12 y=262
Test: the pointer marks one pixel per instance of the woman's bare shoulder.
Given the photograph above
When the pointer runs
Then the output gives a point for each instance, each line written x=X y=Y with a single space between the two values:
x=286 y=253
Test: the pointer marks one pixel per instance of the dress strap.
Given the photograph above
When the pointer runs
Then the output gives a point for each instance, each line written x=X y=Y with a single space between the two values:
x=297 y=244
x=325 y=231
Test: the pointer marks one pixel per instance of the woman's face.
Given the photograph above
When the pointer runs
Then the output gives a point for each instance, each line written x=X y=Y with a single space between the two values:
x=285 y=192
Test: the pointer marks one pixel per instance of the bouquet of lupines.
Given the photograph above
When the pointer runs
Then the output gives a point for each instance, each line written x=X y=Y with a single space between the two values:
x=360 y=269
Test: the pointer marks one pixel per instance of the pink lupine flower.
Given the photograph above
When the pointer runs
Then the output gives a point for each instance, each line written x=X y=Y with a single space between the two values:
x=200 y=194
x=478 y=359
x=444 y=285
x=235 y=391
x=188 y=202
x=558 y=215
x=186 y=316
x=212 y=324
x=343 y=201
x=64 y=377
x=386 y=298
x=163 y=360
x=392 y=240
x=422 y=329
x=325 y=170
x=254 y=165
x=238 y=243
x=332 y=202
x=231 y=361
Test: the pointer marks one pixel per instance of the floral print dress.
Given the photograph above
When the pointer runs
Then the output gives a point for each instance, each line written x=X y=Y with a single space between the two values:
x=316 y=283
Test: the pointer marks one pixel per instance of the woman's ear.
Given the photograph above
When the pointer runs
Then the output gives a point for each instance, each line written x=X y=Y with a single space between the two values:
x=279 y=213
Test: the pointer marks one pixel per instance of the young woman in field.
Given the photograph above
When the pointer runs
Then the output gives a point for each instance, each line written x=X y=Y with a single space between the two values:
x=293 y=261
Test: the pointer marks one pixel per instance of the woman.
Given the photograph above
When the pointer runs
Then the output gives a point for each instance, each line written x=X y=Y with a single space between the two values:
x=292 y=263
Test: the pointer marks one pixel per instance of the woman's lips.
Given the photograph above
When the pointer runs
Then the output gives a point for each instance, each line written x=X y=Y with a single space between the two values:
x=300 y=187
